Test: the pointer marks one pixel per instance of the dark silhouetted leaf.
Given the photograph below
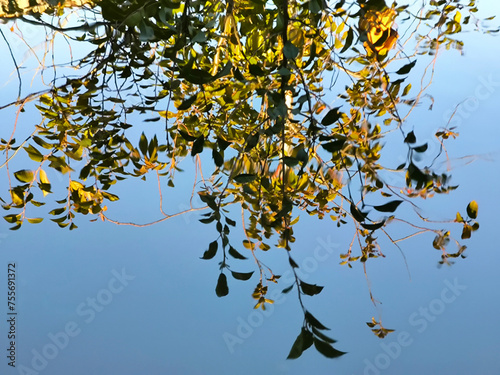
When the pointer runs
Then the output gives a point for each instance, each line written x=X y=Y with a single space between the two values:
x=410 y=138
x=332 y=116
x=348 y=40
x=333 y=146
x=406 y=68
x=357 y=214
x=222 y=289
x=256 y=70
x=422 y=148
x=310 y=289
x=326 y=349
x=292 y=262
x=197 y=76
x=235 y=254
x=198 y=145
x=388 y=207
x=290 y=51
x=314 y=322
x=188 y=137
x=297 y=347
x=322 y=336
x=218 y=159
x=242 y=276
x=187 y=103
x=143 y=144
x=212 y=250
x=287 y=289
x=401 y=166
x=373 y=226
x=244 y=178
x=290 y=162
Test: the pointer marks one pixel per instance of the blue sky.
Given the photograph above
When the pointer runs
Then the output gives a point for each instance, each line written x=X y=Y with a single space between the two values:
x=125 y=300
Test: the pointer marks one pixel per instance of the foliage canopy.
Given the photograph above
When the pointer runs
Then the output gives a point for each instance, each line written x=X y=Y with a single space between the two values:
x=286 y=102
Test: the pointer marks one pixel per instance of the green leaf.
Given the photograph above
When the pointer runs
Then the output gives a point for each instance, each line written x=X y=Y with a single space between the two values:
x=24 y=175
x=406 y=68
x=235 y=254
x=212 y=250
x=222 y=289
x=472 y=208
x=310 y=289
x=388 y=207
x=332 y=116
x=290 y=51
x=326 y=349
x=245 y=178
x=242 y=276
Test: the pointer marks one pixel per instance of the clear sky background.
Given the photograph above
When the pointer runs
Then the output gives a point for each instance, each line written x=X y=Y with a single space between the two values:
x=163 y=317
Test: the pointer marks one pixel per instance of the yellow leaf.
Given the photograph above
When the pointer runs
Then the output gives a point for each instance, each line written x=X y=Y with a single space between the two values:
x=43 y=177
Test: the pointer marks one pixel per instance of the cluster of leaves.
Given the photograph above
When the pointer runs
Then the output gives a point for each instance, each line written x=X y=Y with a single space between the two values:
x=243 y=80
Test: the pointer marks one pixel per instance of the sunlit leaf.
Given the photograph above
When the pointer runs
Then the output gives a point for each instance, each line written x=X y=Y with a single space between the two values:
x=472 y=208
x=24 y=175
